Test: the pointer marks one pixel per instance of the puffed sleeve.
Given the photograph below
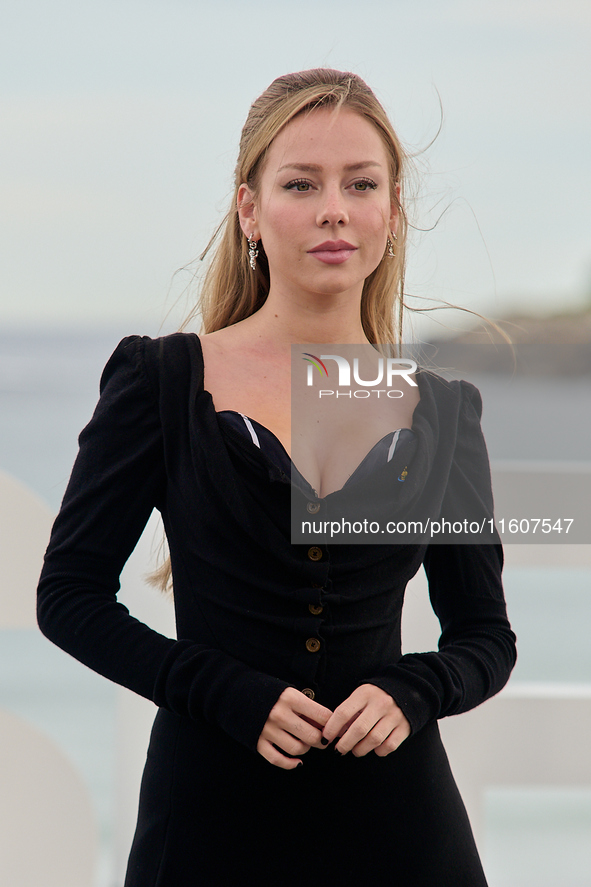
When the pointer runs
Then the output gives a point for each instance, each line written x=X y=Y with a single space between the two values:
x=118 y=478
x=476 y=650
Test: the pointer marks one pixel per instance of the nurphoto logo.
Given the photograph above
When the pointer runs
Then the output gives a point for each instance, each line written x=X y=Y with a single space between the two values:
x=389 y=370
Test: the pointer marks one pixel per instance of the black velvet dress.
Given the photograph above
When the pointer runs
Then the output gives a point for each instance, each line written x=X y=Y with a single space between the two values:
x=212 y=811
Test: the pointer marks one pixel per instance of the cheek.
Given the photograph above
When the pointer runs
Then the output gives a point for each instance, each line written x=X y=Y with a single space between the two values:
x=377 y=228
x=280 y=223
x=382 y=218
x=279 y=227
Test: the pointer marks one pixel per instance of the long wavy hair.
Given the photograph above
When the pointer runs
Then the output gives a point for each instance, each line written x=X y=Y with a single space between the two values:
x=231 y=290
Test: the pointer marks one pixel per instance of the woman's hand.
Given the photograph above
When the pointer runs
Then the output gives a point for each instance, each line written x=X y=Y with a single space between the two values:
x=367 y=720
x=294 y=725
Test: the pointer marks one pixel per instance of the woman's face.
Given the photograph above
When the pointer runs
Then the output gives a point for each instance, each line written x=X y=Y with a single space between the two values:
x=323 y=208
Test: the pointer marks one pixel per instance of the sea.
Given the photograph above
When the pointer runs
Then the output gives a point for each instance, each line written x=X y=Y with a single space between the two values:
x=535 y=837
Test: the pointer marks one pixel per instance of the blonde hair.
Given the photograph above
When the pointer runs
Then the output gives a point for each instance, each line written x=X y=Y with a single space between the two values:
x=230 y=290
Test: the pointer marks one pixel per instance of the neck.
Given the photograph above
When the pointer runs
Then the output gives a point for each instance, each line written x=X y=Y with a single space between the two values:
x=326 y=318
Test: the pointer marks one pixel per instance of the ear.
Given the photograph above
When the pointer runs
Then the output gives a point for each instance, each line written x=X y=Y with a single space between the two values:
x=395 y=212
x=247 y=212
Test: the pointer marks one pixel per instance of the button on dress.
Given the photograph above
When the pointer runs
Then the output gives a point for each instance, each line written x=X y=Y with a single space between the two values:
x=256 y=614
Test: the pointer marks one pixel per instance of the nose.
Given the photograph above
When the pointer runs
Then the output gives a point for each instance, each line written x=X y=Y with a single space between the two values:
x=332 y=210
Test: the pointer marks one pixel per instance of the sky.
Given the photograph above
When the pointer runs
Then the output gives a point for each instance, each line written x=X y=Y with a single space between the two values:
x=121 y=119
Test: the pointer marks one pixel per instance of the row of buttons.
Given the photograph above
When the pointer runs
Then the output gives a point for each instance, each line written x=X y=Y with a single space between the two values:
x=314 y=554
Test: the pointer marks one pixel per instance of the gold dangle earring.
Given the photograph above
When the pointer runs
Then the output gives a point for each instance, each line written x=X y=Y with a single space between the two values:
x=252 y=252
x=390 y=250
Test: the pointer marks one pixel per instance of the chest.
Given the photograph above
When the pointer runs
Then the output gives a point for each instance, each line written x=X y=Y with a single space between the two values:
x=327 y=437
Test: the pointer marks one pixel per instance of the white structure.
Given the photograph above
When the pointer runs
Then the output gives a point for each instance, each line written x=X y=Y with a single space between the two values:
x=48 y=835
x=530 y=734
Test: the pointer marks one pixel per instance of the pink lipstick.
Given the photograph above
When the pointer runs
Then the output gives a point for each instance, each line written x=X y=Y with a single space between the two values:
x=333 y=252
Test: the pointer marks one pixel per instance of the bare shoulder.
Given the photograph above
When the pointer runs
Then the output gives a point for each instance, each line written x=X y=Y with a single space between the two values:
x=243 y=373
x=237 y=341
x=224 y=351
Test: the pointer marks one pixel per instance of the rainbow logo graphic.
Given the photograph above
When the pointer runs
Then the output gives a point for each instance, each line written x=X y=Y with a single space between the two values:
x=314 y=361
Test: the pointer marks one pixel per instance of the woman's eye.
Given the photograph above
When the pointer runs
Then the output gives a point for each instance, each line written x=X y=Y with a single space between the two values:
x=298 y=185
x=365 y=185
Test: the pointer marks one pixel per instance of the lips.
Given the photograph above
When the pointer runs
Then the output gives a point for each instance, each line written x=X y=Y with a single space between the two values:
x=333 y=252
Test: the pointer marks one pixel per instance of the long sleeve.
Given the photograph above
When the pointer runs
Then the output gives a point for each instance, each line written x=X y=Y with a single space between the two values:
x=476 y=650
x=477 y=646
x=118 y=478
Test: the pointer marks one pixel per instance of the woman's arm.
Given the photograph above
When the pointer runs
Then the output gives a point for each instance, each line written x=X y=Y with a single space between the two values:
x=118 y=478
x=475 y=657
x=477 y=646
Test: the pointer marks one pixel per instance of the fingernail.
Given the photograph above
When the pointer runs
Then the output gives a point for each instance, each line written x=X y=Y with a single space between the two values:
x=324 y=740
x=300 y=763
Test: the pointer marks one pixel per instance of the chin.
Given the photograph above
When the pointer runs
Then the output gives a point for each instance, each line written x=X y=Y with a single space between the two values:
x=336 y=284
x=332 y=291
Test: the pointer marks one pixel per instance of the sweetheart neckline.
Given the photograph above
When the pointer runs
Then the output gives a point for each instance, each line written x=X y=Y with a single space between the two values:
x=288 y=457
x=206 y=391
x=274 y=436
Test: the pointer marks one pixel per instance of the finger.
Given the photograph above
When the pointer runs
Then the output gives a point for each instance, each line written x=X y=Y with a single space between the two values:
x=290 y=725
x=357 y=732
x=374 y=739
x=299 y=729
x=274 y=756
x=292 y=700
x=302 y=717
x=394 y=741
x=341 y=720
x=285 y=741
x=359 y=714
x=313 y=712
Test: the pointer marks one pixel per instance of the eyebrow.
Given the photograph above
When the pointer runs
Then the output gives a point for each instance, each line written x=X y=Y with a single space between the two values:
x=313 y=167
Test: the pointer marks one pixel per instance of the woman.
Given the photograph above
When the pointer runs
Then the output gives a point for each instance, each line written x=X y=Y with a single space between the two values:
x=293 y=741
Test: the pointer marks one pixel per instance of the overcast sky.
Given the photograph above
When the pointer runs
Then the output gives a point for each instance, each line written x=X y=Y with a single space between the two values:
x=120 y=122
